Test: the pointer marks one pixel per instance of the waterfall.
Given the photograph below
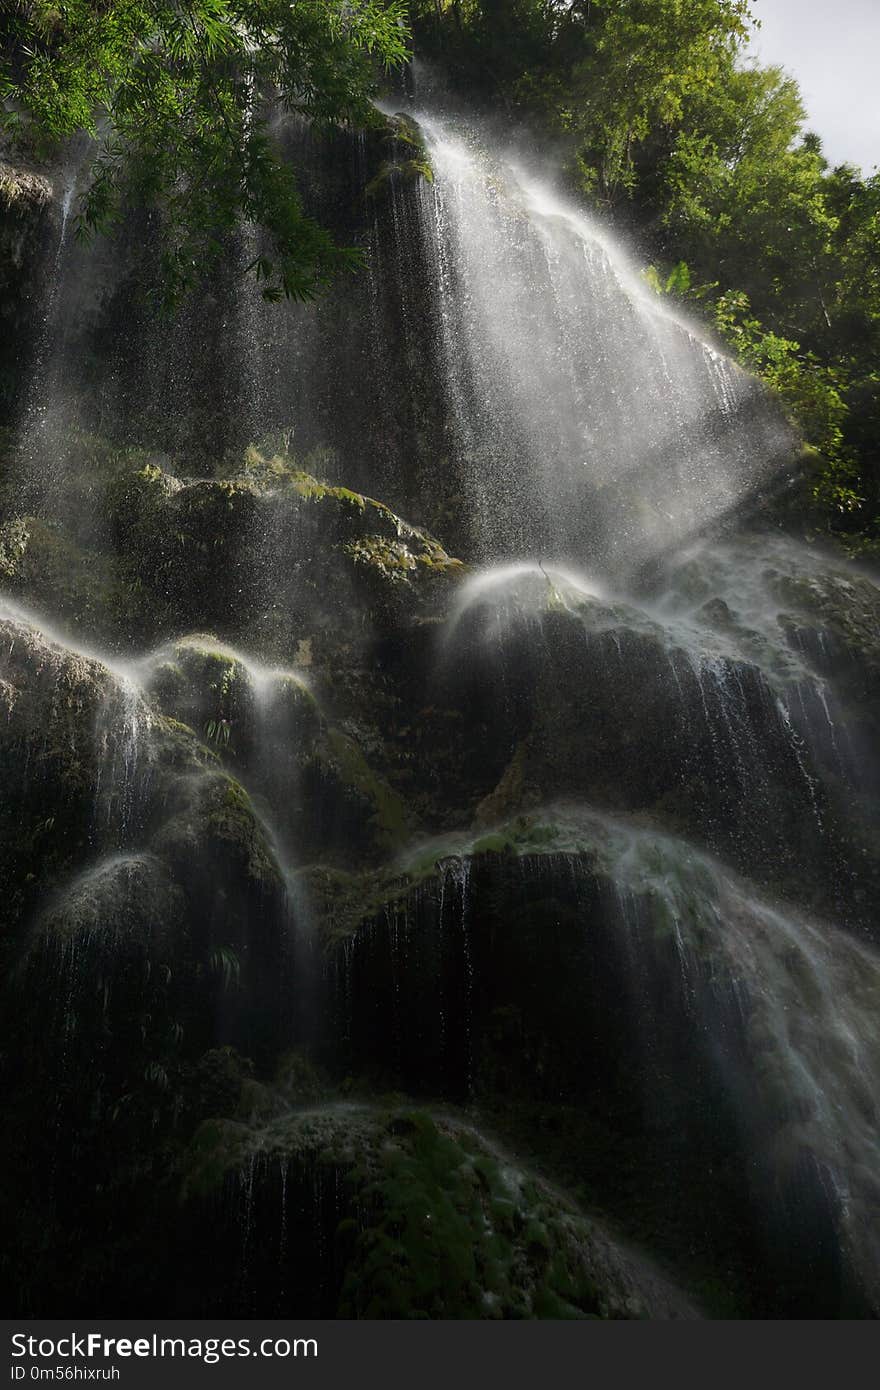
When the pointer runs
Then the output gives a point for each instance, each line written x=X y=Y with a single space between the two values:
x=591 y=421
x=568 y=828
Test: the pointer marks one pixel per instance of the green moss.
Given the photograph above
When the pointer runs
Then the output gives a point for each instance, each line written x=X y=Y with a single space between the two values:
x=81 y=587
x=395 y=560
x=315 y=491
x=428 y=1221
x=386 y=814
x=298 y=1080
x=392 y=559
x=155 y=551
x=401 y=129
x=406 y=155
x=232 y=820
x=217 y=1147
x=215 y=685
x=448 y=1237
x=492 y=844
x=343 y=901
x=340 y=900
x=407 y=169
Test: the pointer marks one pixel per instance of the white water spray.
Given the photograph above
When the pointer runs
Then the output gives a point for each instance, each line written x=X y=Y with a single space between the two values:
x=588 y=416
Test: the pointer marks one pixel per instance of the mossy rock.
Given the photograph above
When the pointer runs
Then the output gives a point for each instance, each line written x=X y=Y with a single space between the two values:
x=382 y=810
x=842 y=606
x=23 y=191
x=60 y=711
x=407 y=169
x=608 y=984
x=216 y=819
x=403 y=1214
x=129 y=545
x=111 y=961
x=81 y=588
x=27 y=226
x=338 y=558
x=406 y=155
x=119 y=778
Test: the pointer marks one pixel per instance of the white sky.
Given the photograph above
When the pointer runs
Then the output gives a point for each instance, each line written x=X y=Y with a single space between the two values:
x=832 y=47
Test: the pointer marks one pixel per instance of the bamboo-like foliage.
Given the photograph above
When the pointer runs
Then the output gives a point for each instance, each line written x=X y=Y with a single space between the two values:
x=178 y=94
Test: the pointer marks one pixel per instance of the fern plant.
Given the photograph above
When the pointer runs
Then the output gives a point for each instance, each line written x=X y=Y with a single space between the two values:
x=225 y=963
x=219 y=731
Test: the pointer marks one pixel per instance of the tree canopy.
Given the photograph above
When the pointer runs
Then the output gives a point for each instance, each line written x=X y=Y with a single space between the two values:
x=173 y=91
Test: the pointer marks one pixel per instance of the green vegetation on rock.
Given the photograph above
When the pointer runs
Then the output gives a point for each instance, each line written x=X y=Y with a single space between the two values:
x=182 y=103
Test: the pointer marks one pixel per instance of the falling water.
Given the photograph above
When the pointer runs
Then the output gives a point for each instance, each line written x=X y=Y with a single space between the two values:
x=782 y=1007
x=122 y=744
x=591 y=439
x=251 y=309
x=591 y=421
x=723 y=616
x=37 y=423
x=808 y=997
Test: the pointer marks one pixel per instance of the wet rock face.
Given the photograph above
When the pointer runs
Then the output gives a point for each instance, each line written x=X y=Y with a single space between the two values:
x=630 y=1011
x=268 y=553
x=52 y=702
x=509 y=984
x=81 y=740
x=834 y=618
x=144 y=909
x=219 y=841
x=429 y=1221
x=356 y=373
x=112 y=961
x=26 y=226
x=282 y=825
x=331 y=698
x=686 y=704
x=180 y=883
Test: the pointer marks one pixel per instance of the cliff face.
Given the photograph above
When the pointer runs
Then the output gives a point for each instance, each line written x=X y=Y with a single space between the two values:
x=27 y=218
x=355 y=374
x=350 y=883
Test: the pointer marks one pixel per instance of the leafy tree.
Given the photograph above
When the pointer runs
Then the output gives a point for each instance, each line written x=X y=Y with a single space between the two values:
x=646 y=59
x=177 y=94
x=812 y=392
x=741 y=196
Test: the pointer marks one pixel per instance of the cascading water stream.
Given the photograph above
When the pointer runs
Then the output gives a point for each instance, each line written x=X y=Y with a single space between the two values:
x=251 y=307
x=601 y=654
x=591 y=422
x=37 y=424
x=731 y=624
x=133 y=694
x=781 y=1007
